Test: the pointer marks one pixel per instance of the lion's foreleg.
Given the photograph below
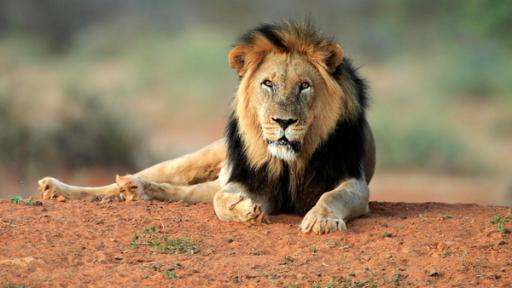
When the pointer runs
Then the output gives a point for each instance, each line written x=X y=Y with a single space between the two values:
x=348 y=200
x=232 y=204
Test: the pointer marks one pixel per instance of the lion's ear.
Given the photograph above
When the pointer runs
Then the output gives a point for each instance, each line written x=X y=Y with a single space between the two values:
x=334 y=57
x=237 y=58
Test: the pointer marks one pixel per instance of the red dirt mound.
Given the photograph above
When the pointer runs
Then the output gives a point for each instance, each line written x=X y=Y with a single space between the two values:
x=83 y=244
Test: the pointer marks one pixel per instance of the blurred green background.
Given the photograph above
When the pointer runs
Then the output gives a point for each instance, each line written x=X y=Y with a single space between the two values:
x=93 y=88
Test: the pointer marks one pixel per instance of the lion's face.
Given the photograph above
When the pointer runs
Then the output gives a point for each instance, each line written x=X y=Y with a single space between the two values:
x=288 y=101
x=283 y=93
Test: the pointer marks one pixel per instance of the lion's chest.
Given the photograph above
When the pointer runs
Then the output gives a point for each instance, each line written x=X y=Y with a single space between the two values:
x=281 y=196
x=340 y=157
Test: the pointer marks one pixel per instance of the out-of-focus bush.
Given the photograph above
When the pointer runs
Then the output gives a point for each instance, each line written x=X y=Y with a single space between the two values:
x=93 y=135
x=88 y=135
x=423 y=144
x=482 y=71
x=54 y=21
x=501 y=125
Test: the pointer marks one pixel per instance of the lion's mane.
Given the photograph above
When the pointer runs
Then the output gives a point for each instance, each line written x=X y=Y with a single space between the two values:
x=334 y=154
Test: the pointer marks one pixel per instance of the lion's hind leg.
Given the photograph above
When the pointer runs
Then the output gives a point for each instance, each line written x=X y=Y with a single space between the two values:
x=50 y=188
x=202 y=166
x=133 y=187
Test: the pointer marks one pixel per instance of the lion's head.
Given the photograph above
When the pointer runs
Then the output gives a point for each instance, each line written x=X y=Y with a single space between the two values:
x=288 y=100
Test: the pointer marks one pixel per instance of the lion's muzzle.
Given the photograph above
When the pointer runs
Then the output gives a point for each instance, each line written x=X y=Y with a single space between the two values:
x=284 y=136
x=284 y=148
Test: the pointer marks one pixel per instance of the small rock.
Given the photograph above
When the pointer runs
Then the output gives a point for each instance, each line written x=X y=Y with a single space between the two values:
x=286 y=261
x=387 y=235
x=99 y=257
x=156 y=266
x=501 y=242
x=333 y=243
x=61 y=199
x=433 y=273
x=494 y=276
x=255 y=252
x=118 y=257
x=236 y=279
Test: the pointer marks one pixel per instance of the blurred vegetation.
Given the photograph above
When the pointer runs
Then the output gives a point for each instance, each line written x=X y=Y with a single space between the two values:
x=423 y=144
x=87 y=135
x=96 y=83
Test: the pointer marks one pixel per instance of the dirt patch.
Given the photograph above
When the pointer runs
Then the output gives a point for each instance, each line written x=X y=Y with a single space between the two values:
x=83 y=244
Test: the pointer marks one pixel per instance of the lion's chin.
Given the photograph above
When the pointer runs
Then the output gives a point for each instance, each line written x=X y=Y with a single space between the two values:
x=283 y=149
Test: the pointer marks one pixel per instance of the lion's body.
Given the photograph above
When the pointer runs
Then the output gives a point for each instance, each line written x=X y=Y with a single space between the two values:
x=296 y=141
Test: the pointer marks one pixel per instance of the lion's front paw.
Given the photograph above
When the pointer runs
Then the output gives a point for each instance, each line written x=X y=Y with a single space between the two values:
x=245 y=210
x=239 y=208
x=131 y=188
x=255 y=214
x=321 y=221
x=50 y=188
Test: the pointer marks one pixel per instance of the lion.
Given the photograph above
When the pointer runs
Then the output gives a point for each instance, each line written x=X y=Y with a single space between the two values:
x=297 y=140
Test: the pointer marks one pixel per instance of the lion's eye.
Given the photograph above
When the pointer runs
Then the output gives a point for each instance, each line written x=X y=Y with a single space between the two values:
x=304 y=85
x=267 y=83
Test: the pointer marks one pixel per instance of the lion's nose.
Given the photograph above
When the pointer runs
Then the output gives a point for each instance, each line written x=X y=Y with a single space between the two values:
x=284 y=123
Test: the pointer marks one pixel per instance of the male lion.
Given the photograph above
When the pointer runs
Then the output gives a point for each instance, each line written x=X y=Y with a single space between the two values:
x=297 y=140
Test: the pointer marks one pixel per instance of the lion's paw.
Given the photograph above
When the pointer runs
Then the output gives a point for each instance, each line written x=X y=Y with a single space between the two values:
x=249 y=212
x=239 y=208
x=322 y=221
x=256 y=215
x=131 y=187
x=50 y=188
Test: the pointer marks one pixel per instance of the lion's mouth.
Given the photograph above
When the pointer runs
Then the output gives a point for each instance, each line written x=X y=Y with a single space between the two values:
x=284 y=142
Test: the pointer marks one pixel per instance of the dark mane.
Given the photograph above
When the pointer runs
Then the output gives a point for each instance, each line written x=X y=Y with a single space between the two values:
x=304 y=32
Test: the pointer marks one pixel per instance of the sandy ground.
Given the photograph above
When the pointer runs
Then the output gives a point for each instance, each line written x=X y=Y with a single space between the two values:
x=83 y=244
